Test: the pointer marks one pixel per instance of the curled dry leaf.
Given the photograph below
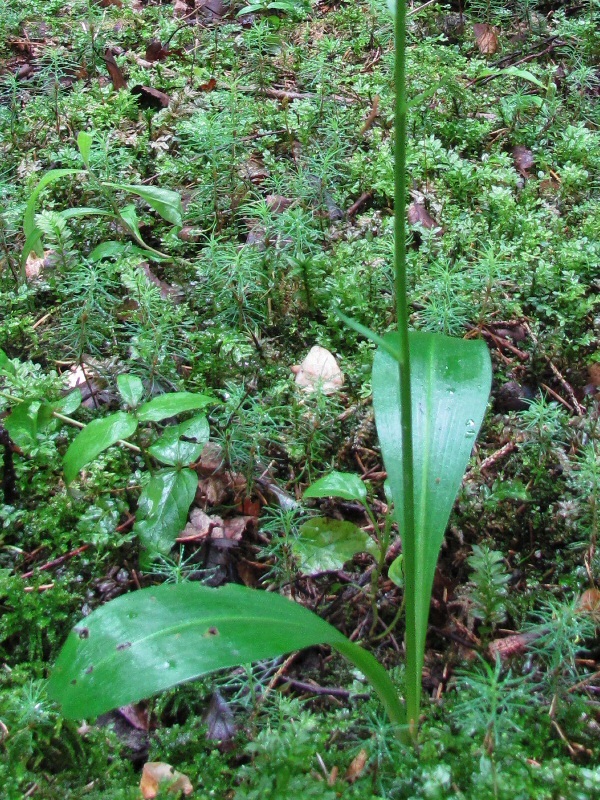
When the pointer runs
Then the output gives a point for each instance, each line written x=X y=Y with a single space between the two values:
x=155 y=51
x=589 y=603
x=319 y=370
x=219 y=720
x=156 y=776
x=523 y=159
x=486 y=37
x=116 y=76
x=151 y=98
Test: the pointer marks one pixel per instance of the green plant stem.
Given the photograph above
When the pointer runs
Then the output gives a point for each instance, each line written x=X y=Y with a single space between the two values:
x=407 y=512
x=69 y=421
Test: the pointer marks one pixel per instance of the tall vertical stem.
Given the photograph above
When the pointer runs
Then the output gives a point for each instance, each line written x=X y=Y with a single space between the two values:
x=407 y=512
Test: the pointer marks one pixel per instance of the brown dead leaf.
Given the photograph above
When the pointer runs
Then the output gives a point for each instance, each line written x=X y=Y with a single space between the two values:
x=211 y=9
x=589 y=603
x=156 y=776
x=235 y=527
x=277 y=203
x=150 y=98
x=594 y=373
x=136 y=715
x=219 y=720
x=253 y=170
x=319 y=370
x=211 y=459
x=209 y=85
x=418 y=215
x=155 y=51
x=91 y=386
x=175 y=293
x=116 y=76
x=486 y=37
x=200 y=526
x=356 y=768
x=216 y=489
x=108 y=3
x=183 y=9
x=523 y=159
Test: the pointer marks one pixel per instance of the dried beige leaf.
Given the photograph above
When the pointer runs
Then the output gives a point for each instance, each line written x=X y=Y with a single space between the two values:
x=486 y=37
x=523 y=158
x=34 y=266
x=356 y=768
x=319 y=370
x=157 y=775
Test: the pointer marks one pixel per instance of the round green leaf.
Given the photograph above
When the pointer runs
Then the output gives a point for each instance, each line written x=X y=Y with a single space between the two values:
x=346 y=485
x=324 y=545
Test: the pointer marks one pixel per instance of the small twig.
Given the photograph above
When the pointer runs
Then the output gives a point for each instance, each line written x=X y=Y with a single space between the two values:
x=57 y=561
x=490 y=461
x=41 y=588
x=556 y=396
x=314 y=688
x=358 y=204
x=567 y=387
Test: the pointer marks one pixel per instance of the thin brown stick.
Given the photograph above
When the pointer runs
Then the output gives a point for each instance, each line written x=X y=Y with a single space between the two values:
x=358 y=204
x=57 y=561
x=490 y=461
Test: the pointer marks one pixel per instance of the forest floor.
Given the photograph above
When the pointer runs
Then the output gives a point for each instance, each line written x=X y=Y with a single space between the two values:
x=274 y=126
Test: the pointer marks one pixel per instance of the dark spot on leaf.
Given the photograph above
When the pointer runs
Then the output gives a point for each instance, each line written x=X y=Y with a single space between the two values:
x=89 y=669
x=212 y=632
x=83 y=633
x=123 y=645
x=74 y=681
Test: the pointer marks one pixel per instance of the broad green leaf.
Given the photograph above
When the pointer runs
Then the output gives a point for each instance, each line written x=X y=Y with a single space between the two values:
x=84 y=143
x=107 y=250
x=324 y=545
x=131 y=389
x=450 y=384
x=6 y=364
x=182 y=444
x=69 y=403
x=81 y=211
x=29 y=218
x=27 y=420
x=169 y=405
x=172 y=450
x=163 y=508
x=97 y=436
x=164 y=201
x=515 y=72
x=150 y=640
x=346 y=485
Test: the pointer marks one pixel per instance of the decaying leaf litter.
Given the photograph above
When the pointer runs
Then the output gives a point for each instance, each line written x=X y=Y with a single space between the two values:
x=267 y=148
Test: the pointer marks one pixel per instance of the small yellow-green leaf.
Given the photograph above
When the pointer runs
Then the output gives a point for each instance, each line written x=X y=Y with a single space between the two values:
x=324 y=545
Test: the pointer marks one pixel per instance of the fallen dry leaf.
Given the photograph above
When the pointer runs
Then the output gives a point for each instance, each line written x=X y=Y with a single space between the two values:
x=155 y=51
x=277 y=203
x=34 y=266
x=589 y=603
x=319 y=370
x=219 y=720
x=175 y=293
x=356 y=768
x=156 y=775
x=418 y=215
x=523 y=159
x=150 y=98
x=486 y=37
x=116 y=76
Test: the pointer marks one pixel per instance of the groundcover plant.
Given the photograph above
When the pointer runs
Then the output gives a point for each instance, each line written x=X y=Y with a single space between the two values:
x=174 y=240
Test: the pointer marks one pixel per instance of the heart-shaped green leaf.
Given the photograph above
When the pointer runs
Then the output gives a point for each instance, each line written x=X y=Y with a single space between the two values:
x=346 y=485
x=97 y=436
x=163 y=508
x=150 y=640
x=450 y=385
x=324 y=545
